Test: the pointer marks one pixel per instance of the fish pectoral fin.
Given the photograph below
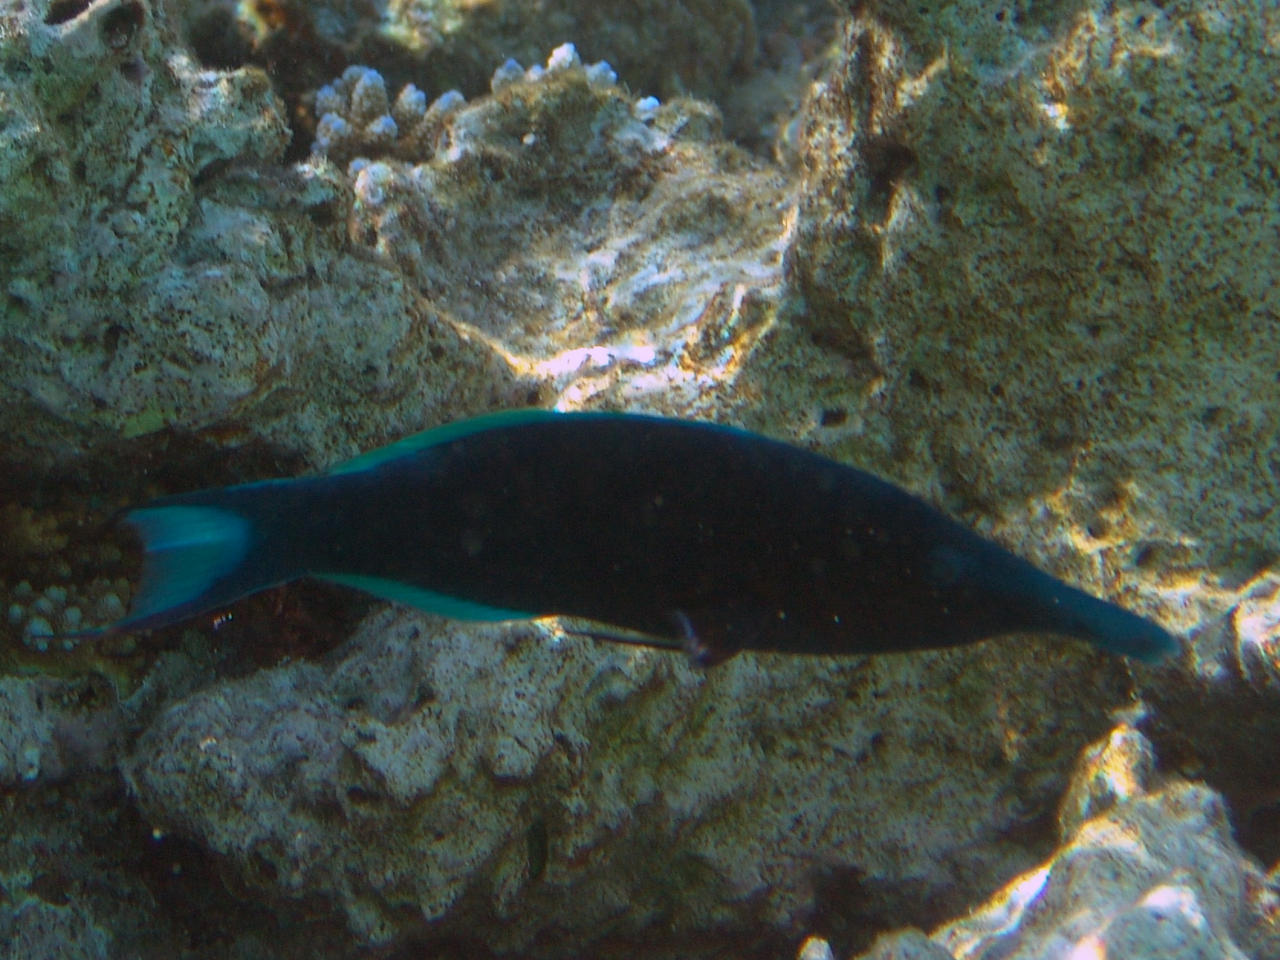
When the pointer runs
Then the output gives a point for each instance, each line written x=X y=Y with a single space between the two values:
x=703 y=649
x=706 y=644
x=422 y=599
x=579 y=627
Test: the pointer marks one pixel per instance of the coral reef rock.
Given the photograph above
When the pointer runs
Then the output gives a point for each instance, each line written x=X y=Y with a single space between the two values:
x=511 y=785
x=611 y=249
x=1216 y=711
x=1148 y=870
x=1038 y=241
x=54 y=729
x=107 y=127
x=161 y=270
x=1038 y=238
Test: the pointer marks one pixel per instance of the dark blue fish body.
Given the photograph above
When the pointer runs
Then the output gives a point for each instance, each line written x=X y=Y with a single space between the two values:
x=681 y=532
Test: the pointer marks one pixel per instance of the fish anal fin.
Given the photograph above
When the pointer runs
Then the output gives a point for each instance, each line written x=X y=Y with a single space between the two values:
x=419 y=598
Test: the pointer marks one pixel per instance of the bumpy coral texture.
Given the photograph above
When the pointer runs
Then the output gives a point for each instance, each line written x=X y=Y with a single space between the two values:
x=357 y=118
x=516 y=786
x=1045 y=272
x=163 y=271
x=609 y=247
x=666 y=47
x=1147 y=871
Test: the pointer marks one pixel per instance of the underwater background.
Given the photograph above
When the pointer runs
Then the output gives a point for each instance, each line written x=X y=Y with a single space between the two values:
x=1020 y=259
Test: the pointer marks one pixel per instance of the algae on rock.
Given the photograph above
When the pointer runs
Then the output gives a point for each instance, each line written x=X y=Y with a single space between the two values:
x=1046 y=263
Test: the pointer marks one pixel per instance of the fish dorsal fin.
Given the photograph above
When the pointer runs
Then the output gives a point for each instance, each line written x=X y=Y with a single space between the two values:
x=443 y=434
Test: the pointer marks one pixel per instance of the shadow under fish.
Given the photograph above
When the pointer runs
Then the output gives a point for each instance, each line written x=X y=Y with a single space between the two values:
x=659 y=531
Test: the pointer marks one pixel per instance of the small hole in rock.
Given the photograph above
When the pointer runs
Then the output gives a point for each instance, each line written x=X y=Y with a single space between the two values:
x=220 y=40
x=833 y=417
x=121 y=24
x=887 y=163
x=134 y=70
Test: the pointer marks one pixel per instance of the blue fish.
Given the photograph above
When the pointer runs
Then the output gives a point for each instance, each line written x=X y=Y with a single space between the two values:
x=654 y=530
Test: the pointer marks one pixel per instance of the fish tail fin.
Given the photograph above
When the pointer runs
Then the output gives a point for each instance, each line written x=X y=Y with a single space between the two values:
x=195 y=558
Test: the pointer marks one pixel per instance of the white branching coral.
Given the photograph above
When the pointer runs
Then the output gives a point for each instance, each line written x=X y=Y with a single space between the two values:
x=564 y=58
x=358 y=119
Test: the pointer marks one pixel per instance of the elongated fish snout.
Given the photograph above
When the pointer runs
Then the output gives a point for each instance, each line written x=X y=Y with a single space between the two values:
x=1031 y=599
x=1117 y=630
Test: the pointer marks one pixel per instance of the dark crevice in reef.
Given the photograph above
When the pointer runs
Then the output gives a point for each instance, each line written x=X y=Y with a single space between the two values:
x=119 y=26
x=220 y=41
x=1223 y=735
x=851 y=908
x=60 y=11
x=293 y=56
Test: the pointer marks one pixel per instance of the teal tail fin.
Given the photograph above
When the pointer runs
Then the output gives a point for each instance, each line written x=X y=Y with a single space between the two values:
x=194 y=560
